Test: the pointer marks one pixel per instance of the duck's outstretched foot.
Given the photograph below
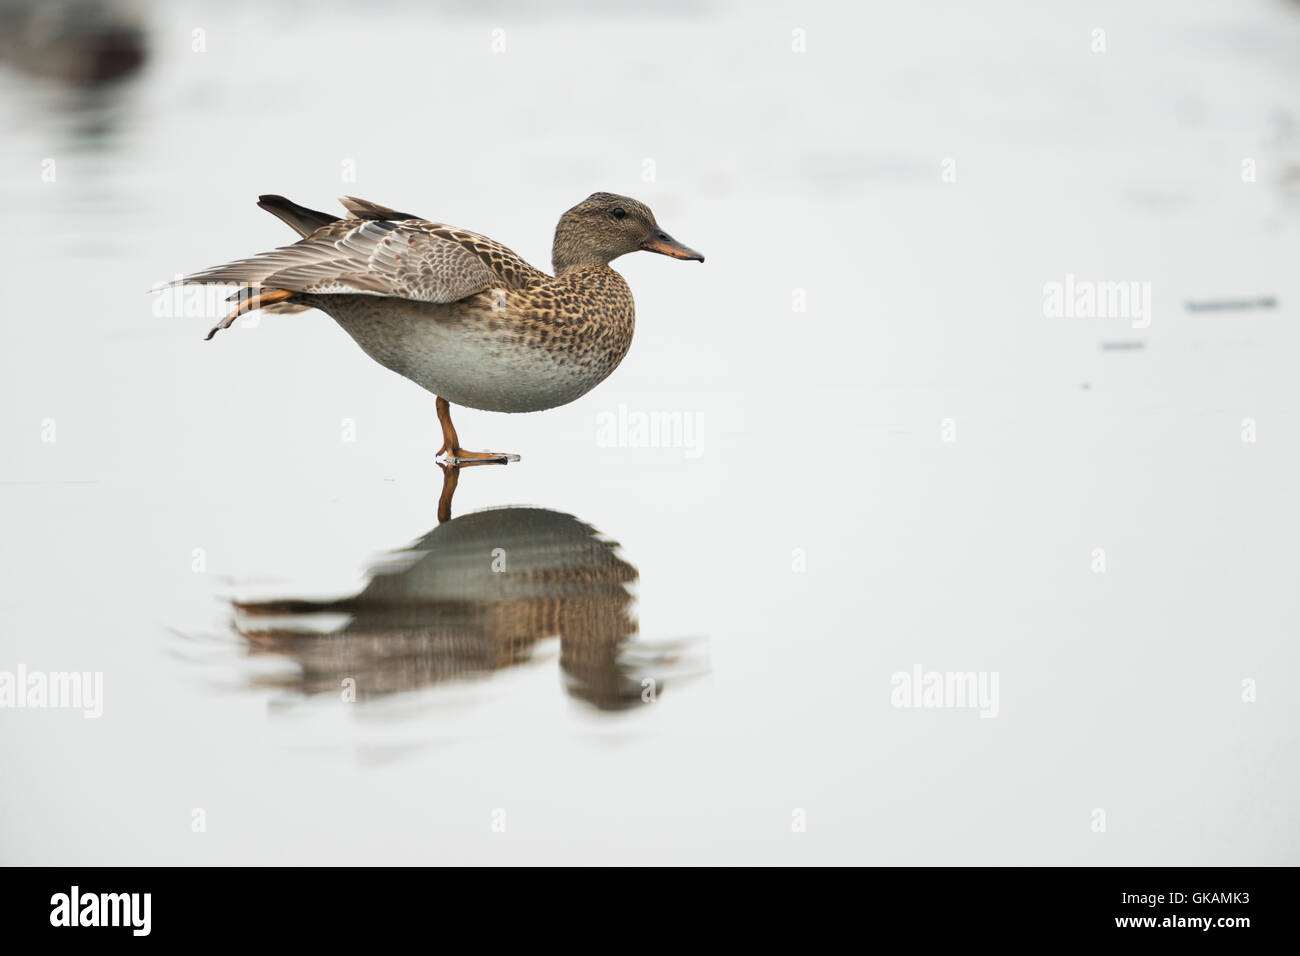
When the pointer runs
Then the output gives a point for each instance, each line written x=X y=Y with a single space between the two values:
x=452 y=454
x=459 y=457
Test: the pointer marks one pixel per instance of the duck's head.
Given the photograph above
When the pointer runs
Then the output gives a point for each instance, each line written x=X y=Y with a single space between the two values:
x=605 y=226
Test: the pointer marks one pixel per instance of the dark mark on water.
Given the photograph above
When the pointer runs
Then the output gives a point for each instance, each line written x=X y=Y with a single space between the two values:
x=1233 y=305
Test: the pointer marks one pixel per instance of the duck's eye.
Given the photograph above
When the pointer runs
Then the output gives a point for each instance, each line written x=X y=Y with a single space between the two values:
x=619 y=214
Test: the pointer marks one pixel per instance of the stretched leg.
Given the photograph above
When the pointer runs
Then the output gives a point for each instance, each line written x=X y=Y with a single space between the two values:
x=453 y=454
x=257 y=300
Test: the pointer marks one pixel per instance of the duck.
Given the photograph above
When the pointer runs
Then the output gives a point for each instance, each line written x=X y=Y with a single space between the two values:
x=459 y=314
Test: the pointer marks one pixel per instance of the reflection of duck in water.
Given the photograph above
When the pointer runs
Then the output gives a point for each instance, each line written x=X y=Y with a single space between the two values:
x=478 y=594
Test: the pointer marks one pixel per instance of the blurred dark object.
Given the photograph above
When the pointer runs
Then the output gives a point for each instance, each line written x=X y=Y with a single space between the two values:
x=82 y=43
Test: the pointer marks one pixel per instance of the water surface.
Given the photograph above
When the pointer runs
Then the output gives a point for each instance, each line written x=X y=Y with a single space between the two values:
x=895 y=458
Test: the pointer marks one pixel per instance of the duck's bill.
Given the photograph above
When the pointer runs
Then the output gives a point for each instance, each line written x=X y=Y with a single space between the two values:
x=666 y=245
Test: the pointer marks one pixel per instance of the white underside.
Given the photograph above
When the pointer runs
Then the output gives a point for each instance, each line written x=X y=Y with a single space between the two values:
x=457 y=359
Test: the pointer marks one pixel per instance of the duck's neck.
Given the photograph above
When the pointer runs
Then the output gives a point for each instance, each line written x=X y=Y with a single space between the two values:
x=569 y=253
x=565 y=267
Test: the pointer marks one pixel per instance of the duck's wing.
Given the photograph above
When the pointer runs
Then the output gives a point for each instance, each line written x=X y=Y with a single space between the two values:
x=379 y=251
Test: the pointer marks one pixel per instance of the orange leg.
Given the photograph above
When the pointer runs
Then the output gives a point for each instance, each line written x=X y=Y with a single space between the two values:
x=257 y=300
x=453 y=454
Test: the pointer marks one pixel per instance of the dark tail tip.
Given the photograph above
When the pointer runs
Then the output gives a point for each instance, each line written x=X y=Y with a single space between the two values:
x=302 y=220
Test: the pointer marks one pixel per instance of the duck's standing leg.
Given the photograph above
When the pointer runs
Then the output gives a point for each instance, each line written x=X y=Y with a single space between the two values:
x=453 y=454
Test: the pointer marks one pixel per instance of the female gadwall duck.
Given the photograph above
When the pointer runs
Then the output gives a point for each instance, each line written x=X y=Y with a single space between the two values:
x=455 y=312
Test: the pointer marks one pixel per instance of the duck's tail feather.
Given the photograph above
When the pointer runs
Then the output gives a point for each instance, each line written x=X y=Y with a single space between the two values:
x=300 y=219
